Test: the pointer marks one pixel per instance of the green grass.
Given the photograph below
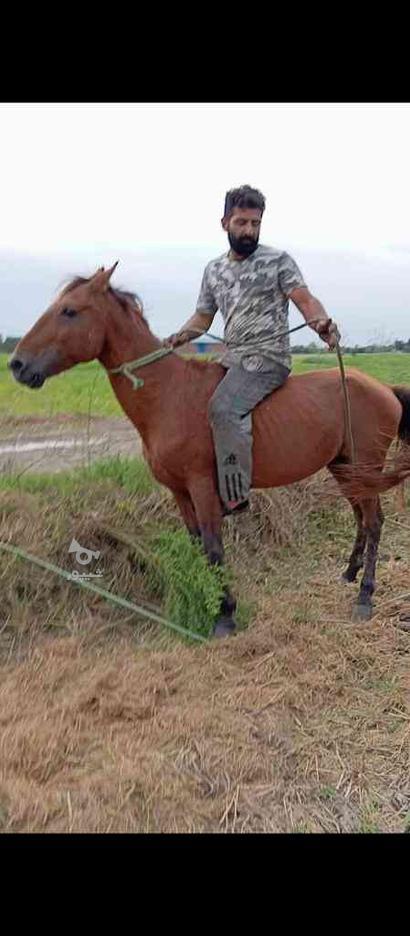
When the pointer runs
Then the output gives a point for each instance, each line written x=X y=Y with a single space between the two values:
x=389 y=368
x=191 y=589
x=83 y=389
x=131 y=474
x=119 y=496
x=86 y=388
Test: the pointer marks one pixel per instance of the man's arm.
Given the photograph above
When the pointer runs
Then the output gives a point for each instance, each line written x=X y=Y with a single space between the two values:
x=196 y=325
x=315 y=315
x=205 y=312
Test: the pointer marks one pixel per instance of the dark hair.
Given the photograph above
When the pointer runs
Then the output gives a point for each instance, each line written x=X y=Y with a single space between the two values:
x=243 y=197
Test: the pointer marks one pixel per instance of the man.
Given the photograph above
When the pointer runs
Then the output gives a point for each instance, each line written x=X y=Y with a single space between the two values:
x=251 y=285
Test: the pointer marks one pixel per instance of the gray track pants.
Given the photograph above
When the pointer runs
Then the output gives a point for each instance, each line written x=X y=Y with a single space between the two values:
x=229 y=412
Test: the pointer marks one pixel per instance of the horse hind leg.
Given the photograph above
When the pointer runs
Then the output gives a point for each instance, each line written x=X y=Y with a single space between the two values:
x=400 y=498
x=369 y=518
x=356 y=558
x=373 y=521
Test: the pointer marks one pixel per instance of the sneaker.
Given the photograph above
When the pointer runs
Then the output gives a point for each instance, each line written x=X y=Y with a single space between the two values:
x=234 y=507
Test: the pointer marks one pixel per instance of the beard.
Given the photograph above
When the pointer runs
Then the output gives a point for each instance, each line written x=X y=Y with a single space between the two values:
x=244 y=246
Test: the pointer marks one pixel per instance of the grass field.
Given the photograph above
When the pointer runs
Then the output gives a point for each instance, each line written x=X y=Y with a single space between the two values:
x=110 y=723
x=86 y=388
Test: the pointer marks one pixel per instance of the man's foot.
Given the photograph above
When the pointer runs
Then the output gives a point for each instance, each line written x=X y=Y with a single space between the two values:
x=234 y=507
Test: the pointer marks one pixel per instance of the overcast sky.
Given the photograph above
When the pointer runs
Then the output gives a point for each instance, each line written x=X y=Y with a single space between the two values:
x=85 y=184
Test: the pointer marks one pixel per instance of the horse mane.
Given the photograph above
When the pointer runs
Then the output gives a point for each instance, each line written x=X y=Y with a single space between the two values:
x=123 y=296
x=127 y=300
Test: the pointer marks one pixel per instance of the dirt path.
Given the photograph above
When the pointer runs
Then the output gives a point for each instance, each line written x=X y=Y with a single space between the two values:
x=39 y=444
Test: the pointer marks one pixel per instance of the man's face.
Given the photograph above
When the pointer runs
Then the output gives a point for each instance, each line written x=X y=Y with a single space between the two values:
x=242 y=226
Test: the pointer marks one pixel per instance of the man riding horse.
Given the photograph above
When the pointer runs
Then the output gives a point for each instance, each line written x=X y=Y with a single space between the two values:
x=251 y=285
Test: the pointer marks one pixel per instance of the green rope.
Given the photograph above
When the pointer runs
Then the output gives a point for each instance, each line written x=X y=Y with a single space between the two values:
x=122 y=602
x=125 y=368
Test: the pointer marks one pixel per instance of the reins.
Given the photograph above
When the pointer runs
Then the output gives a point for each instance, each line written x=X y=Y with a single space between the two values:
x=126 y=368
x=346 y=400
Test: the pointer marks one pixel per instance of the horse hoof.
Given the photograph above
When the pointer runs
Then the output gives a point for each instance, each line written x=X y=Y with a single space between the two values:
x=347 y=578
x=362 y=612
x=225 y=627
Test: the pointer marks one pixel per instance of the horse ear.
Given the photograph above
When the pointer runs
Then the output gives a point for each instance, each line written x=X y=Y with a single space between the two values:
x=101 y=279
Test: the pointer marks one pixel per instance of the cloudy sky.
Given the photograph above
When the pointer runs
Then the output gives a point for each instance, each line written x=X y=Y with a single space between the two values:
x=84 y=184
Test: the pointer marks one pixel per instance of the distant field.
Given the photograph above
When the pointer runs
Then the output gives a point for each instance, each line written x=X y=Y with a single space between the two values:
x=83 y=389
x=86 y=387
x=390 y=368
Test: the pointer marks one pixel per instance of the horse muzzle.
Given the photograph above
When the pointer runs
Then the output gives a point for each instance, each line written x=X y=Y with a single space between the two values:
x=26 y=374
x=31 y=372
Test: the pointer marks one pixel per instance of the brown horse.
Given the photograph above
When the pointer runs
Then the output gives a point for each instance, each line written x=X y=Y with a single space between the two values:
x=297 y=430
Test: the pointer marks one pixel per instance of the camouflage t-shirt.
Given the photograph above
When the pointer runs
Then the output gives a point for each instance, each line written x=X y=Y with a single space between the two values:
x=252 y=296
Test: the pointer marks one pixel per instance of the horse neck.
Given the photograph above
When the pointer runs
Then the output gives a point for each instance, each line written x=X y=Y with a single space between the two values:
x=128 y=338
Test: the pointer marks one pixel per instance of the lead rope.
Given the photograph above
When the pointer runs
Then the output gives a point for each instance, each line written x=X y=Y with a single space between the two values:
x=109 y=596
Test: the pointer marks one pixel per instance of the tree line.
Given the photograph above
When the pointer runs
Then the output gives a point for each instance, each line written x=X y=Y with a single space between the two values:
x=314 y=348
x=8 y=344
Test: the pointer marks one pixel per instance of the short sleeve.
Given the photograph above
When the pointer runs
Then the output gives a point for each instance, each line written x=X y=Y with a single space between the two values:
x=206 y=299
x=289 y=275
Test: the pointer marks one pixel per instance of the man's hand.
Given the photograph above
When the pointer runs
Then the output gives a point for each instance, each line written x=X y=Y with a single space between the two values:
x=328 y=332
x=179 y=338
x=315 y=315
x=196 y=326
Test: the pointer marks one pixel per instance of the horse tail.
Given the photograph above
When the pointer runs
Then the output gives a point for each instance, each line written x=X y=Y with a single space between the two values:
x=403 y=396
x=364 y=481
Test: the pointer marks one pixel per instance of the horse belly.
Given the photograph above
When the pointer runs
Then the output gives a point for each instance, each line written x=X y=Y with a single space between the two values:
x=296 y=438
x=276 y=463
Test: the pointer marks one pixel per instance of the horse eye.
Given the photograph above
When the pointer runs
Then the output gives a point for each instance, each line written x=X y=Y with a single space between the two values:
x=69 y=312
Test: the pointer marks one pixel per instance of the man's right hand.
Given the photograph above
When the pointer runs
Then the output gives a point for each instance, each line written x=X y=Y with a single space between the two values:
x=328 y=332
x=179 y=338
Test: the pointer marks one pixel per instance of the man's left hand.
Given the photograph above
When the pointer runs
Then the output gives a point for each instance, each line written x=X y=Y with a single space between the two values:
x=328 y=332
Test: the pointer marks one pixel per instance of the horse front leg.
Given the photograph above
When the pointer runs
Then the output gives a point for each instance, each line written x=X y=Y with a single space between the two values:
x=188 y=514
x=208 y=511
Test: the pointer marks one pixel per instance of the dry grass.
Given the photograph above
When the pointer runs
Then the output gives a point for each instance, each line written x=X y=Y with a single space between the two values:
x=300 y=723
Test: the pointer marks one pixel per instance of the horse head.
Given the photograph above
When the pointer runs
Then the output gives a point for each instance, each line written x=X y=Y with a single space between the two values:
x=72 y=330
